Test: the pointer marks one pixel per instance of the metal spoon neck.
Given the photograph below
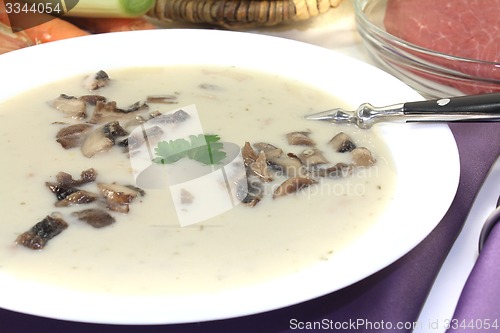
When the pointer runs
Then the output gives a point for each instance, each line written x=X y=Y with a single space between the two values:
x=368 y=115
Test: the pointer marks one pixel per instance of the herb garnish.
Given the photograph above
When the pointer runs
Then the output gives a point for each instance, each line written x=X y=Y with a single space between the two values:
x=202 y=148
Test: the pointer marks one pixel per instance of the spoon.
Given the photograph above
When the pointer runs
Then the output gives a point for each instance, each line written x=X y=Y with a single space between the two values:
x=490 y=222
x=472 y=108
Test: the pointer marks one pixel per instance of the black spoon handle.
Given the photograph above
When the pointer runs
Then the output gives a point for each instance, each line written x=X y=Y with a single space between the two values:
x=485 y=107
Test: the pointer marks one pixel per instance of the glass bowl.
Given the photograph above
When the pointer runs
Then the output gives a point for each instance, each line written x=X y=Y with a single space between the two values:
x=431 y=73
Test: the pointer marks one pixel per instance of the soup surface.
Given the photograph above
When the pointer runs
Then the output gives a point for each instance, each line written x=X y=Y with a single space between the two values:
x=157 y=247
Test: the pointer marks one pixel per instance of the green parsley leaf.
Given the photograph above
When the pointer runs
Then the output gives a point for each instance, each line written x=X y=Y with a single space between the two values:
x=171 y=151
x=202 y=148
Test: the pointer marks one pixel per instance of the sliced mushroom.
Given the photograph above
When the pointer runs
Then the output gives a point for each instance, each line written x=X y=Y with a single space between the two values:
x=60 y=190
x=37 y=237
x=339 y=170
x=270 y=150
x=342 y=143
x=86 y=176
x=181 y=116
x=97 y=218
x=73 y=135
x=260 y=168
x=139 y=190
x=137 y=106
x=92 y=99
x=103 y=112
x=108 y=111
x=273 y=154
x=79 y=197
x=252 y=192
x=162 y=99
x=312 y=158
x=118 y=197
x=289 y=164
x=70 y=105
x=248 y=153
x=361 y=156
x=134 y=141
x=96 y=142
x=119 y=194
x=102 y=138
x=178 y=116
x=96 y=81
x=155 y=114
x=113 y=130
x=187 y=197
x=292 y=185
x=115 y=207
x=265 y=147
x=299 y=139
x=152 y=133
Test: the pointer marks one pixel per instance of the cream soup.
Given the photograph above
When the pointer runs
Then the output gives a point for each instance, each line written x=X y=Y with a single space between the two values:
x=149 y=250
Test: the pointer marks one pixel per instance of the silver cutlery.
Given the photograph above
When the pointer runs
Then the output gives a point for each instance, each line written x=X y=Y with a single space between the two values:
x=471 y=108
x=490 y=222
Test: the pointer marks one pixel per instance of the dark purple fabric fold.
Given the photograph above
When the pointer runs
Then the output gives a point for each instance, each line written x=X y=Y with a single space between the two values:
x=389 y=298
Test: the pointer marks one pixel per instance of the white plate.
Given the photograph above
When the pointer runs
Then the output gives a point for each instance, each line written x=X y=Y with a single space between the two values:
x=426 y=159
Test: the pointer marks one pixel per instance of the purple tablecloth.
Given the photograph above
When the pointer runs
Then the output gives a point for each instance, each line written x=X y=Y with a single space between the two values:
x=389 y=298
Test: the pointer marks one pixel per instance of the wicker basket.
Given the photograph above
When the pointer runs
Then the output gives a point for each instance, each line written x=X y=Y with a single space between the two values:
x=239 y=14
